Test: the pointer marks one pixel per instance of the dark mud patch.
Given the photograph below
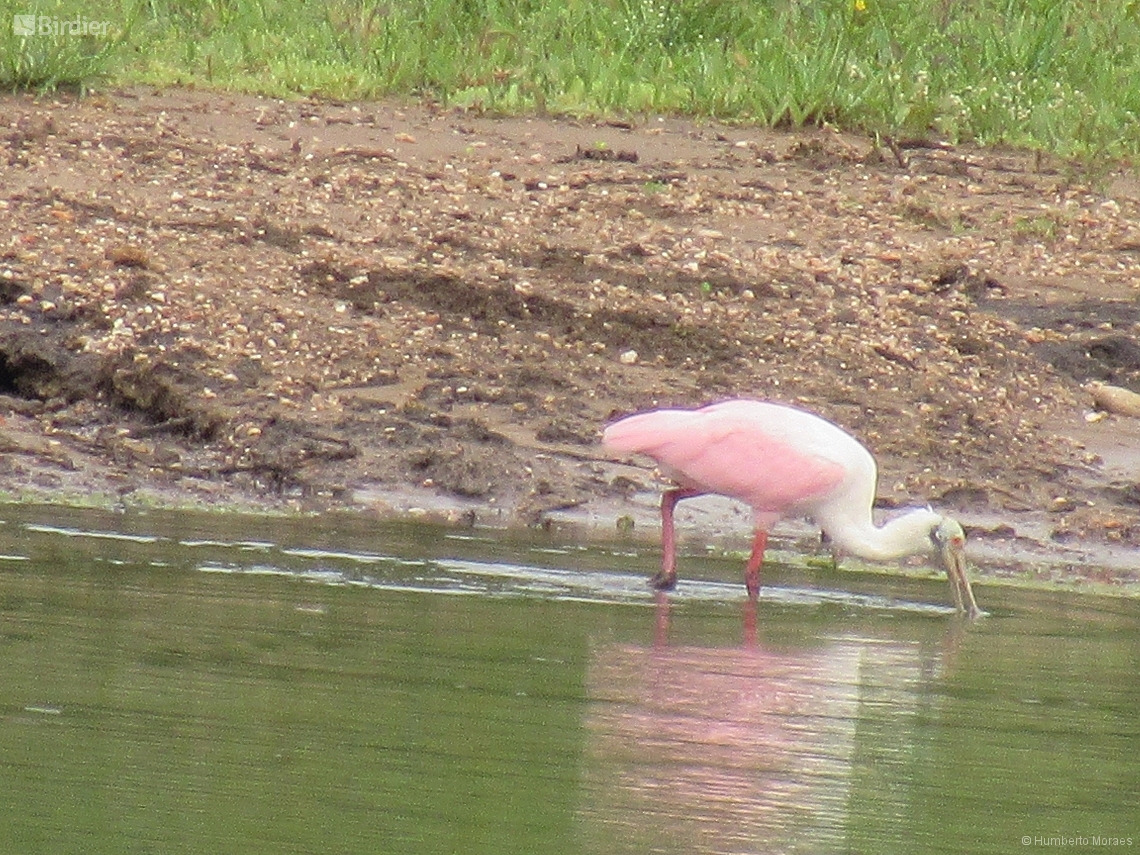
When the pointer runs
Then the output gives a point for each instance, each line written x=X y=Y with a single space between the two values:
x=1086 y=339
x=486 y=307
x=41 y=364
x=168 y=397
x=285 y=450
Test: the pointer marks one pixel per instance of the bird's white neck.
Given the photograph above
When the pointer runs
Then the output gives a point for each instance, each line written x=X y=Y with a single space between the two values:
x=904 y=535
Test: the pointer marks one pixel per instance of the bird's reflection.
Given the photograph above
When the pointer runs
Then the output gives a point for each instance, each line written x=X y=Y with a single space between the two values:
x=745 y=748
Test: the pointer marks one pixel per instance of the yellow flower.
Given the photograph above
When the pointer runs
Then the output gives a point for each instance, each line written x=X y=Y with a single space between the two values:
x=859 y=5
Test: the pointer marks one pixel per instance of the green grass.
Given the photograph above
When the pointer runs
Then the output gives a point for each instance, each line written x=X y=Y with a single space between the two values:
x=1059 y=76
x=71 y=52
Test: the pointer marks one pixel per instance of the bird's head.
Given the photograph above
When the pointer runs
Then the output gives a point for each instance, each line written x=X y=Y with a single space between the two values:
x=947 y=534
x=949 y=542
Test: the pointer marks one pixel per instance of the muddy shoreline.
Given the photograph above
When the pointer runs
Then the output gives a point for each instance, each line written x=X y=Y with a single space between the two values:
x=211 y=300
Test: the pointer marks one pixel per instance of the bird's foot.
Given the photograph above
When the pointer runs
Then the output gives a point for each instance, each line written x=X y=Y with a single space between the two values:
x=663 y=581
x=971 y=611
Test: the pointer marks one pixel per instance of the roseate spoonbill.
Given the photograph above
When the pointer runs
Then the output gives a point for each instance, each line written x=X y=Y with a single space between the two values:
x=783 y=461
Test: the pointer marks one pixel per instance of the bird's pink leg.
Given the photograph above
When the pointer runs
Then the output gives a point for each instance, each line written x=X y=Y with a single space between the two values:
x=667 y=577
x=752 y=570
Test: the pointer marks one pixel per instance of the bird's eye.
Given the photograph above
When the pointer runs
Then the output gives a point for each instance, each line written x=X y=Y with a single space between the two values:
x=940 y=539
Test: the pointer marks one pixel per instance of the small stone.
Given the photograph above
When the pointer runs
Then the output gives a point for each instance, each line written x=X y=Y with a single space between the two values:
x=1115 y=399
x=628 y=357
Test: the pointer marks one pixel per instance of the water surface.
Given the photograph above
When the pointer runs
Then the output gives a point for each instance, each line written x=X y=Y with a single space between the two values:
x=196 y=683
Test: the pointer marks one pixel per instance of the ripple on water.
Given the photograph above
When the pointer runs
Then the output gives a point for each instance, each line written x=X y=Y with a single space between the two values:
x=506 y=579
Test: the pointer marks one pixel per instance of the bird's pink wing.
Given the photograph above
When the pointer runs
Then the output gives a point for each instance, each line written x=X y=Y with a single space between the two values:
x=719 y=453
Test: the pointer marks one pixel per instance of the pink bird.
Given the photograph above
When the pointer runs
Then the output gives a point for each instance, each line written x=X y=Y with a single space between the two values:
x=783 y=461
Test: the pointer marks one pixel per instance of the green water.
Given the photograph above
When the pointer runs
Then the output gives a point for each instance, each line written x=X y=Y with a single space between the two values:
x=178 y=683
